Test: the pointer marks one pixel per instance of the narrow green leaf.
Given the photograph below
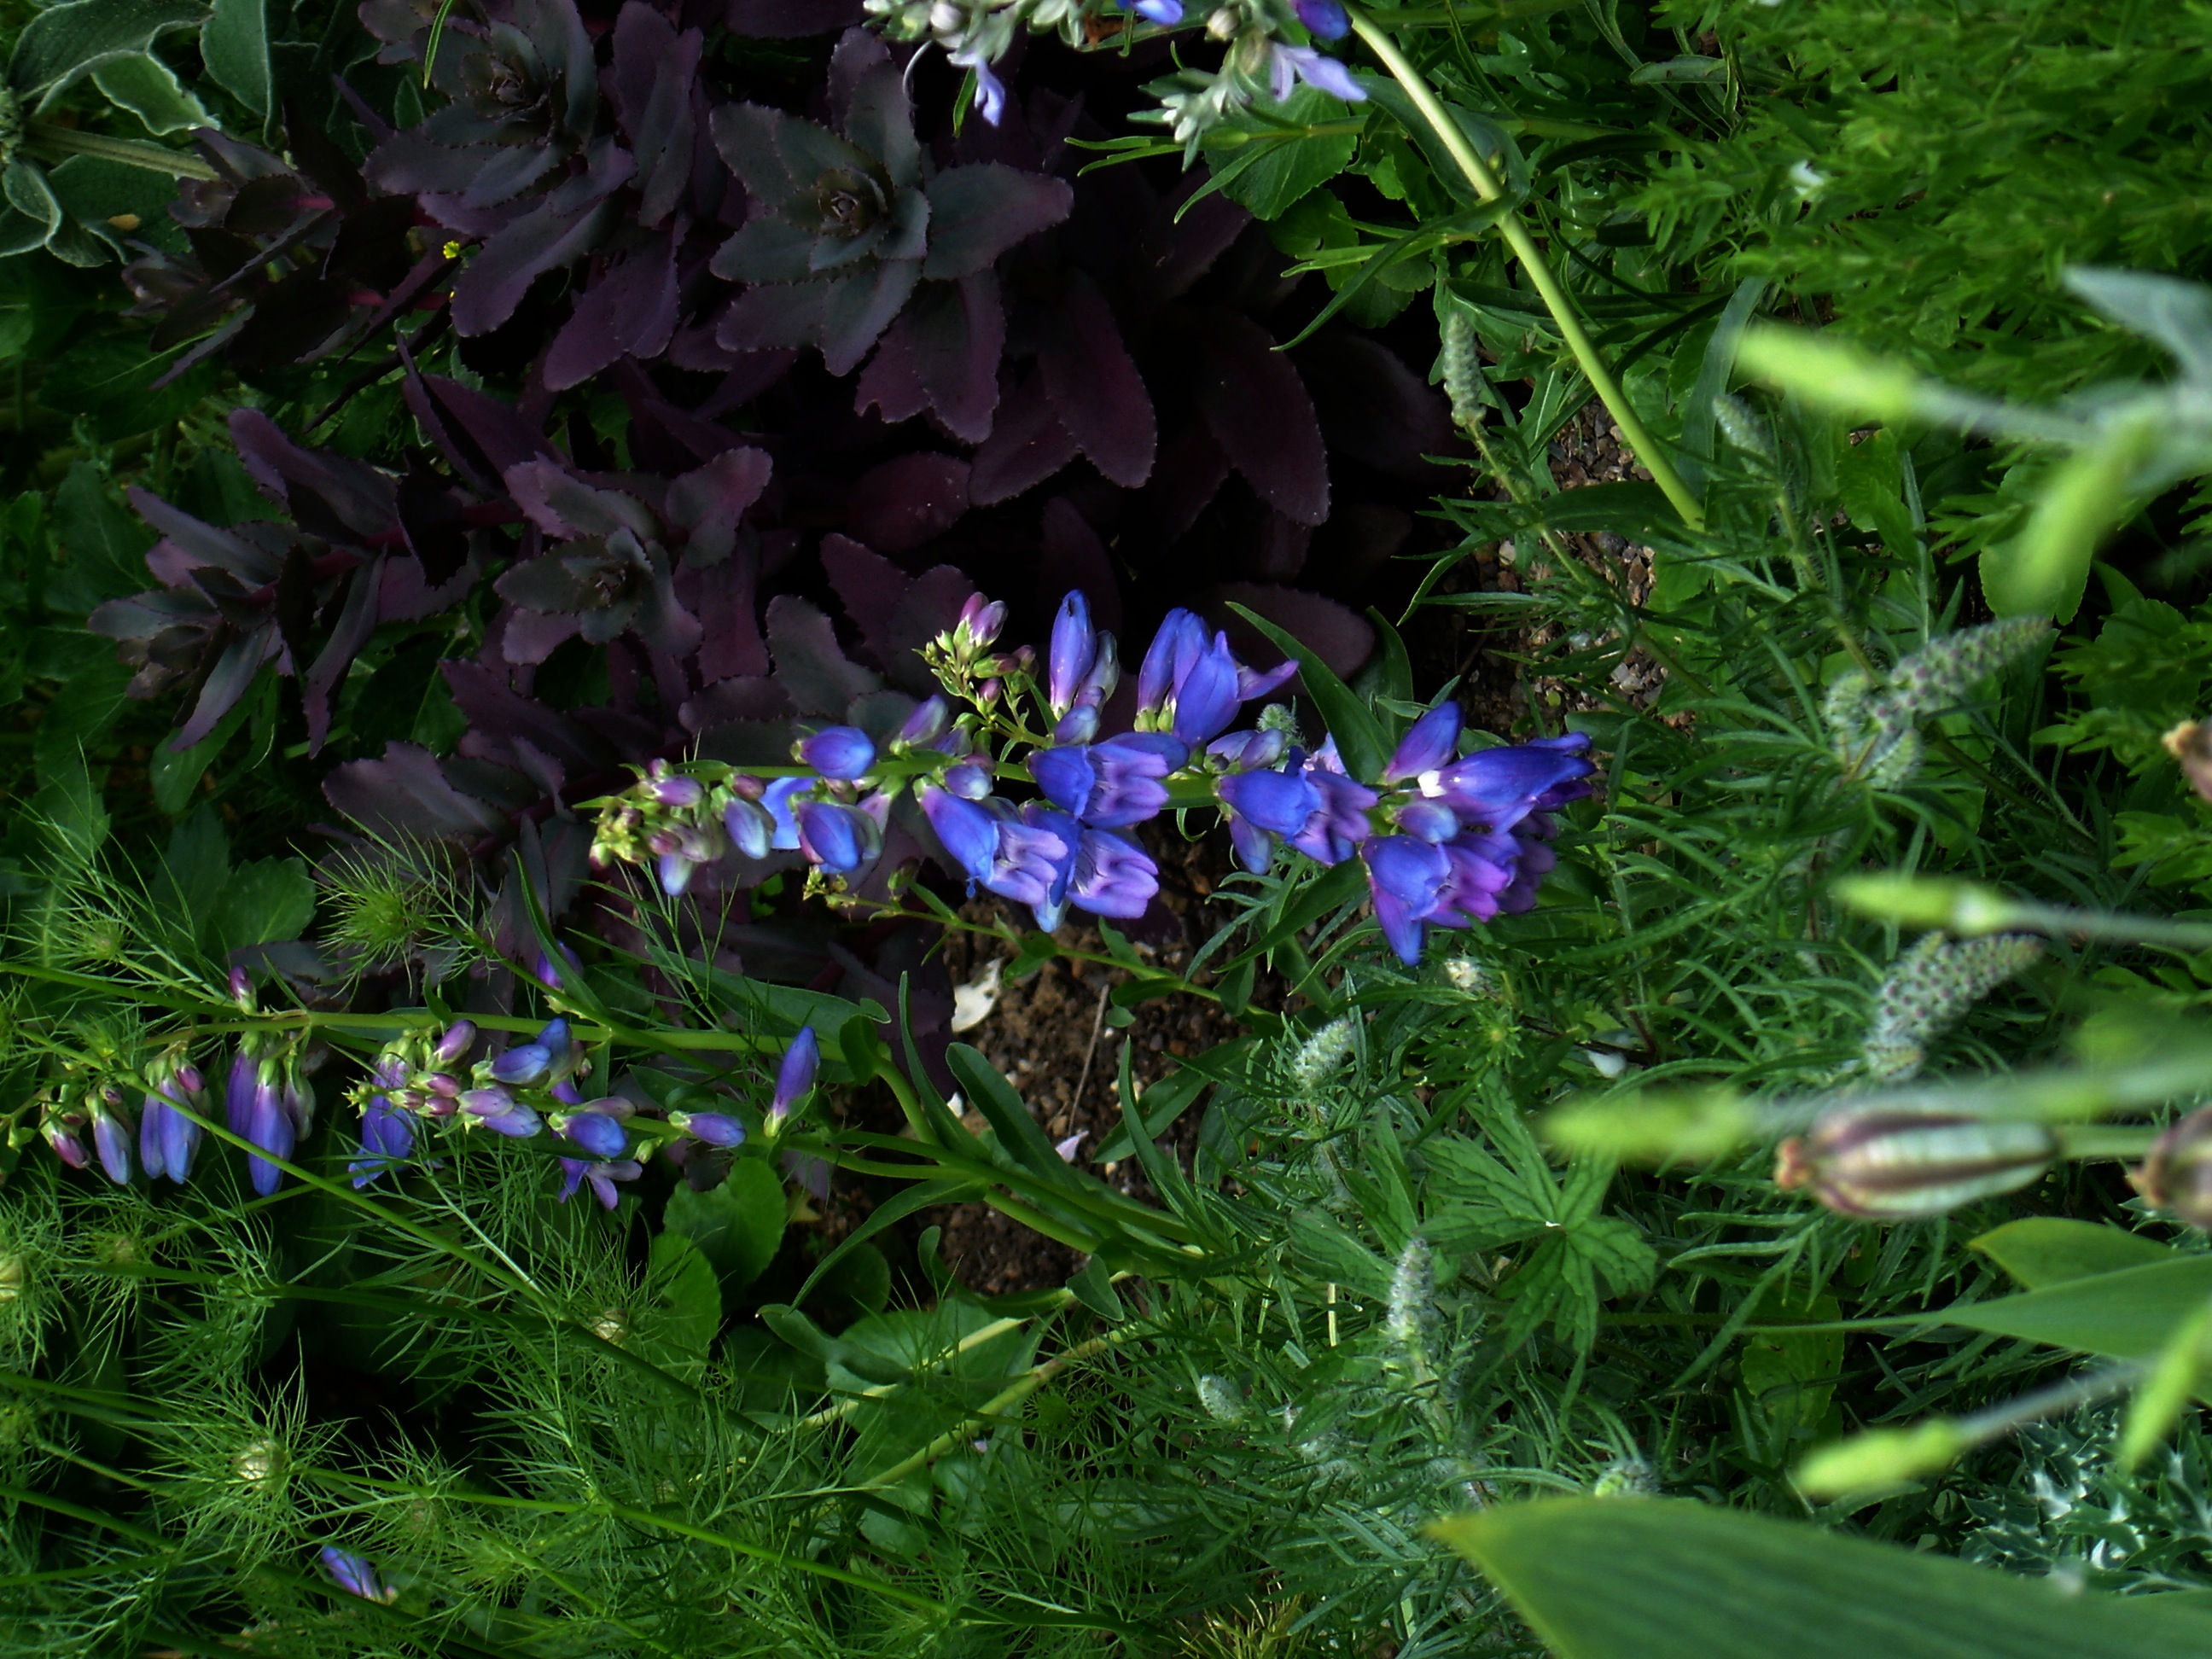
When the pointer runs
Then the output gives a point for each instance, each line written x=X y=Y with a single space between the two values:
x=1658 y=1578
x=2166 y=1392
x=2048 y=1250
x=2128 y=1315
x=1359 y=736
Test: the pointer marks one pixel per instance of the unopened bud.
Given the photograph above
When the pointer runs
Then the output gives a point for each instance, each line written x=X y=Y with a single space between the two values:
x=2176 y=1176
x=1902 y=1166
x=2190 y=746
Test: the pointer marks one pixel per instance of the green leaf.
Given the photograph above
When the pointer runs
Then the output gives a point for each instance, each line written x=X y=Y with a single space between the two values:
x=64 y=43
x=116 y=199
x=684 y=1302
x=1094 y=1288
x=109 y=380
x=234 y=46
x=1266 y=168
x=2048 y=1250
x=1359 y=736
x=144 y=86
x=85 y=706
x=104 y=540
x=2166 y=1393
x=196 y=867
x=266 y=902
x=737 y=1225
x=2128 y=1315
x=1007 y=1113
x=175 y=773
x=1658 y=1578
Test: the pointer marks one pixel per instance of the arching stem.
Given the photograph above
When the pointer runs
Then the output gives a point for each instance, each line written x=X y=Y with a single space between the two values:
x=1523 y=244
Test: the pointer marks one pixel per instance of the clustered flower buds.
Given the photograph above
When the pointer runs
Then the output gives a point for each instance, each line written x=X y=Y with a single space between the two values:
x=1874 y=725
x=1446 y=839
x=1889 y=1165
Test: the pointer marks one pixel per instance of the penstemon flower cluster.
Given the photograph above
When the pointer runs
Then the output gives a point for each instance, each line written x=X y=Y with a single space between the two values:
x=1446 y=839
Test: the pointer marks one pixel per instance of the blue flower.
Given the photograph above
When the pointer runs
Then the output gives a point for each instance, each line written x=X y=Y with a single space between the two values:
x=460 y=1038
x=795 y=1077
x=547 y=1058
x=1047 y=852
x=1431 y=743
x=968 y=831
x=1332 y=833
x=838 y=751
x=839 y=838
x=775 y=801
x=715 y=1128
x=1406 y=879
x=1291 y=65
x=387 y=1137
x=925 y=724
x=1325 y=19
x=1263 y=805
x=270 y=1126
x=1498 y=788
x=1168 y=662
x=355 y=1574
x=1074 y=645
x=1113 y=876
x=601 y=1173
x=501 y=1112
x=167 y=1140
x=751 y=830
x=1206 y=698
x=1109 y=785
x=111 y=1138
x=600 y=1135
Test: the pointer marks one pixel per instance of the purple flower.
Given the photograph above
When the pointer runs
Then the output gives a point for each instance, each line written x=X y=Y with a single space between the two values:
x=673 y=788
x=715 y=1128
x=167 y=1140
x=64 y=1133
x=1048 y=859
x=272 y=1127
x=1110 y=785
x=1536 y=860
x=1206 y=698
x=1407 y=879
x=795 y=1076
x=596 y=1133
x=751 y=828
x=546 y=1059
x=1174 y=651
x=1074 y=647
x=1324 y=19
x=970 y=832
x=840 y=839
x=1113 y=876
x=1291 y=65
x=1425 y=820
x=1482 y=868
x=1079 y=722
x=1498 y=788
x=981 y=619
x=355 y=1575
x=838 y=751
x=111 y=1137
x=1165 y=13
x=927 y=724
x=970 y=780
x=601 y=1173
x=237 y=1091
x=1035 y=853
x=775 y=801
x=1331 y=835
x=1247 y=751
x=387 y=1137
x=460 y=1038
x=1431 y=743
x=990 y=91
x=500 y=1112
x=1262 y=805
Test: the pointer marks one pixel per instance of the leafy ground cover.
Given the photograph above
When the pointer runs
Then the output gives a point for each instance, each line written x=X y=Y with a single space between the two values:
x=1042 y=827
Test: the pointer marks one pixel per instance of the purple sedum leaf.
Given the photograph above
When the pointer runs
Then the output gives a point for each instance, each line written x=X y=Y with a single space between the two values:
x=1096 y=391
x=1257 y=408
x=630 y=311
x=979 y=211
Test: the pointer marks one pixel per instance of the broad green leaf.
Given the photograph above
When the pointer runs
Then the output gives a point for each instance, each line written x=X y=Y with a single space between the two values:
x=64 y=43
x=71 y=815
x=1267 y=168
x=1790 y=1376
x=1659 y=1578
x=1359 y=736
x=144 y=86
x=114 y=199
x=266 y=902
x=105 y=541
x=737 y=1225
x=2049 y=1249
x=2128 y=1315
x=86 y=705
x=987 y=1090
x=234 y=46
x=684 y=1303
x=109 y=380
x=1093 y=1286
x=195 y=868
x=175 y=773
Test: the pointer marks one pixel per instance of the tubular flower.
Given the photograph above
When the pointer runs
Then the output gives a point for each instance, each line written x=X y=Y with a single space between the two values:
x=715 y=1128
x=795 y=1079
x=387 y=1138
x=1109 y=785
x=601 y=1173
x=836 y=751
x=167 y=1140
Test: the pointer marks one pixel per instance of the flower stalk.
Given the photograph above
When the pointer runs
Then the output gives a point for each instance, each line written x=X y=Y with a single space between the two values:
x=1555 y=297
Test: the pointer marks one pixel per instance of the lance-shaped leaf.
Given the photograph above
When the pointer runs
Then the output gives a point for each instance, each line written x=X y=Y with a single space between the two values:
x=977 y=212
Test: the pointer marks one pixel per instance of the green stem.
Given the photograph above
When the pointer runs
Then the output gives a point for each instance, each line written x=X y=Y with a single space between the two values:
x=153 y=158
x=1523 y=245
x=2099 y=1140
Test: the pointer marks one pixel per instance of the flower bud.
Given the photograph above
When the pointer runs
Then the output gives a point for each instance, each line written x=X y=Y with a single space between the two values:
x=715 y=1128
x=836 y=751
x=601 y=1136
x=2176 y=1176
x=1900 y=1166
